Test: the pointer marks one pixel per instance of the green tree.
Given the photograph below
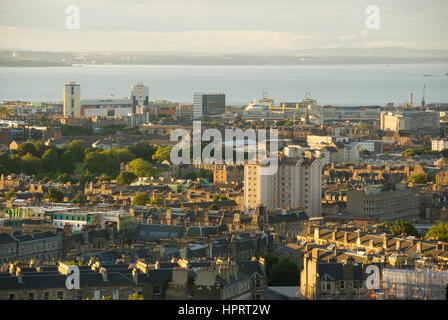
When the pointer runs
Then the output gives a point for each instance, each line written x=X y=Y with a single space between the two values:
x=270 y=261
x=79 y=198
x=40 y=148
x=111 y=163
x=98 y=162
x=16 y=164
x=5 y=163
x=77 y=147
x=30 y=164
x=126 y=177
x=143 y=150
x=67 y=162
x=55 y=195
x=73 y=130
x=403 y=228
x=10 y=194
x=157 y=201
x=141 y=199
x=124 y=155
x=284 y=273
x=438 y=231
x=94 y=162
x=27 y=147
x=64 y=178
x=49 y=161
x=364 y=152
x=141 y=168
x=162 y=153
x=421 y=178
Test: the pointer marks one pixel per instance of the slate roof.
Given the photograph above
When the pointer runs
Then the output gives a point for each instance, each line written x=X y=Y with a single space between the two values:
x=156 y=232
x=6 y=238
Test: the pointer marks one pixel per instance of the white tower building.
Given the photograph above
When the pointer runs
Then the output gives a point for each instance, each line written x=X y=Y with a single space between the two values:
x=297 y=183
x=72 y=99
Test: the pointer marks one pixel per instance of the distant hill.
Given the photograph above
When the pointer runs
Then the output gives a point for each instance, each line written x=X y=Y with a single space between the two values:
x=305 y=56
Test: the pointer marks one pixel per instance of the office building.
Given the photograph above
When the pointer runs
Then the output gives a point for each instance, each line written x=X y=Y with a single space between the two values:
x=384 y=204
x=208 y=104
x=409 y=120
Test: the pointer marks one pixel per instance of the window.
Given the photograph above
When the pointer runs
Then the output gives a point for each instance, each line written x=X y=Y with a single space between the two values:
x=116 y=294
x=97 y=294
x=46 y=295
x=258 y=296
x=60 y=295
x=80 y=295
x=257 y=283
x=328 y=286
x=31 y=296
x=12 y=296
x=342 y=285
x=157 y=291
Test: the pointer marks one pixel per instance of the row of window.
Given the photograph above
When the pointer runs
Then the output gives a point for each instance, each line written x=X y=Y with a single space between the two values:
x=80 y=295
x=329 y=285
x=31 y=296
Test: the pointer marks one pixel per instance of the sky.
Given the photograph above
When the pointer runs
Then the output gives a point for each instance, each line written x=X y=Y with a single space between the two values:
x=213 y=26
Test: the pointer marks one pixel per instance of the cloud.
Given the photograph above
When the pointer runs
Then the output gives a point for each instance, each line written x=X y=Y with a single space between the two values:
x=204 y=41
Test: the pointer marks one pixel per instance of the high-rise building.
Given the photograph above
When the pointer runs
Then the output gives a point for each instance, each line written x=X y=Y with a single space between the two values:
x=139 y=97
x=139 y=104
x=72 y=99
x=208 y=104
x=297 y=183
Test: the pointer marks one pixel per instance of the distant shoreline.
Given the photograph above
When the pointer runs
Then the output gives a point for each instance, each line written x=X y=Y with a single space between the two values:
x=205 y=63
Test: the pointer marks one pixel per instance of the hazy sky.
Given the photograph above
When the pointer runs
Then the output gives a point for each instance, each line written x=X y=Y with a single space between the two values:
x=221 y=26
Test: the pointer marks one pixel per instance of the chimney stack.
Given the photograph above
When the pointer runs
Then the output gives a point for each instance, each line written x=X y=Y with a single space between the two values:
x=135 y=275
x=19 y=276
x=103 y=272
x=419 y=247
x=398 y=244
x=385 y=240
x=316 y=233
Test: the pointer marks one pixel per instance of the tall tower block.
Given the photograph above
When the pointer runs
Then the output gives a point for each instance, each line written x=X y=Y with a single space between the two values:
x=72 y=99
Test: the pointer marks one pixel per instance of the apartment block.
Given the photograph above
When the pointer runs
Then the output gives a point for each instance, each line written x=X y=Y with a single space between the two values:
x=297 y=183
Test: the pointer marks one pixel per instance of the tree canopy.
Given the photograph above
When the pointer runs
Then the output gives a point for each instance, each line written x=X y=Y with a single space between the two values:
x=55 y=195
x=126 y=177
x=141 y=168
x=438 y=231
